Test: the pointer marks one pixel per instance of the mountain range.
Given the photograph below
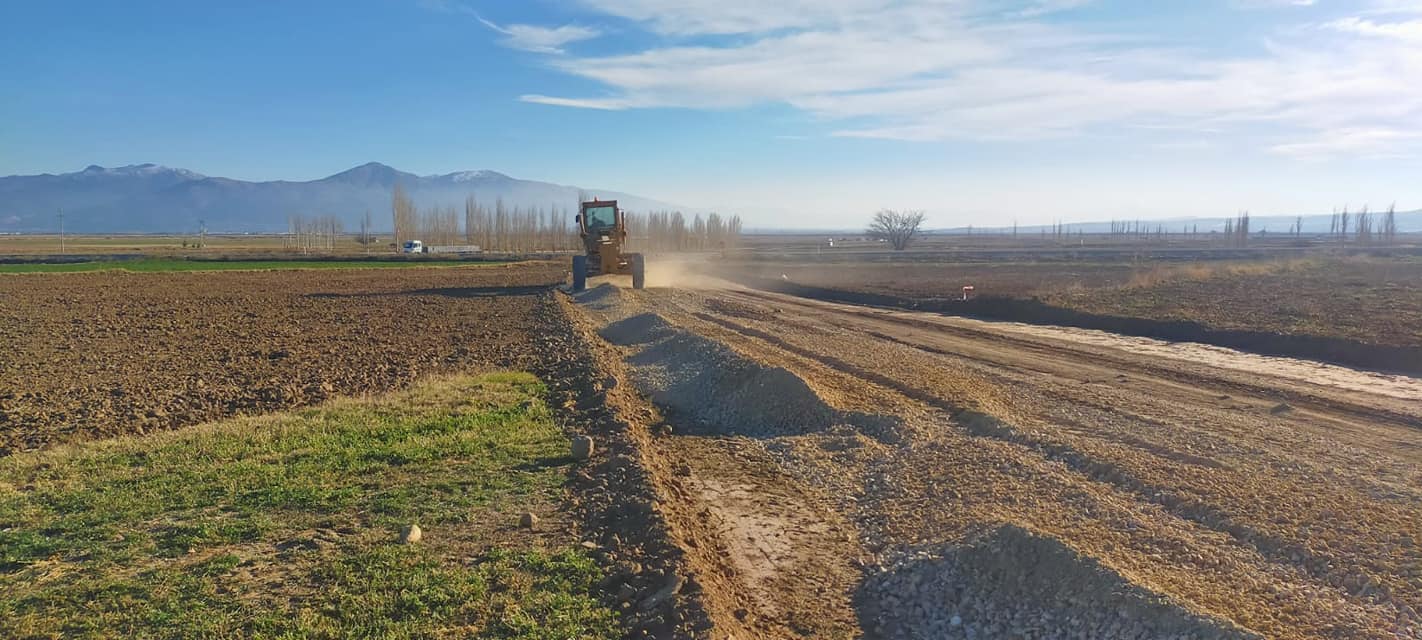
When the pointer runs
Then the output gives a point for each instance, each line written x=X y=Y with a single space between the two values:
x=149 y=198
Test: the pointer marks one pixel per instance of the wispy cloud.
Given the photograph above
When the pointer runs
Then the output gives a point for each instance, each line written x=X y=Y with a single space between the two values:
x=1354 y=142
x=525 y=37
x=603 y=104
x=970 y=69
x=1271 y=4
x=1410 y=30
x=541 y=39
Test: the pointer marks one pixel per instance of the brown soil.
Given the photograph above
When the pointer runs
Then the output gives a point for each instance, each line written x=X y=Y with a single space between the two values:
x=196 y=346
x=1166 y=496
x=1366 y=300
x=99 y=354
x=774 y=467
x=1370 y=301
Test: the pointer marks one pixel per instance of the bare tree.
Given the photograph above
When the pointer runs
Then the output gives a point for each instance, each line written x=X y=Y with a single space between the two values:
x=406 y=219
x=366 y=237
x=1389 y=225
x=897 y=227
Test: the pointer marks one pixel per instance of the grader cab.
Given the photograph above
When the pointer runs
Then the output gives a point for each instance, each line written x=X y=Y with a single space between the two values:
x=603 y=228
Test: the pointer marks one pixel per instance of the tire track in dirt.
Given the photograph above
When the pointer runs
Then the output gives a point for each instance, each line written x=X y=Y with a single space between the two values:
x=770 y=559
x=1359 y=580
x=869 y=516
x=984 y=425
x=1359 y=584
x=1323 y=397
x=1367 y=438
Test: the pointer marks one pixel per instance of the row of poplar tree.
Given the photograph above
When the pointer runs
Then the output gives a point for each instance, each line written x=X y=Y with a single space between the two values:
x=497 y=227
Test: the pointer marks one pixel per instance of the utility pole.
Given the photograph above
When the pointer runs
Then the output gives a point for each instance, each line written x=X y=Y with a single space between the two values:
x=61 y=231
x=202 y=233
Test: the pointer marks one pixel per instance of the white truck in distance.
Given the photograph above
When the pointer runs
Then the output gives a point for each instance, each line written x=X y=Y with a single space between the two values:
x=416 y=246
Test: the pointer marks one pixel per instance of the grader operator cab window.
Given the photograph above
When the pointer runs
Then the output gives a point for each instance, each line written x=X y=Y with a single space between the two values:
x=600 y=218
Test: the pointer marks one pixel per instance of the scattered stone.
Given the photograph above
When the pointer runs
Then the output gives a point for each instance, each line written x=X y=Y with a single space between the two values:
x=528 y=520
x=673 y=585
x=582 y=447
x=411 y=534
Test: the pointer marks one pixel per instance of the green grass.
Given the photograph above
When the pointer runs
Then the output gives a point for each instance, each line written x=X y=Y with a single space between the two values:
x=163 y=265
x=285 y=526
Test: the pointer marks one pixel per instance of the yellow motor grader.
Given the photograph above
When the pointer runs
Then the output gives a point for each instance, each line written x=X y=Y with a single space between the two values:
x=603 y=228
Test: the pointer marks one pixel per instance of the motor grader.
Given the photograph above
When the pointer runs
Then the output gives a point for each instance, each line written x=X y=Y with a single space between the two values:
x=603 y=227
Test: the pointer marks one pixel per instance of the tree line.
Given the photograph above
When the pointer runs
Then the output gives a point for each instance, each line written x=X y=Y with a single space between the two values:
x=1367 y=228
x=311 y=233
x=498 y=227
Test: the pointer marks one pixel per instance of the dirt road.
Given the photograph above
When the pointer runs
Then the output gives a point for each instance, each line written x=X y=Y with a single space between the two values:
x=905 y=475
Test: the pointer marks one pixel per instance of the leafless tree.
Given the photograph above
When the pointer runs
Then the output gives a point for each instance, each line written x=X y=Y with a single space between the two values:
x=897 y=227
x=518 y=229
x=406 y=218
x=1389 y=225
x=1241 y=229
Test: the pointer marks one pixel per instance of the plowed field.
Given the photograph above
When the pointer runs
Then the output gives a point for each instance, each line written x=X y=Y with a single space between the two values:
x=99 y=354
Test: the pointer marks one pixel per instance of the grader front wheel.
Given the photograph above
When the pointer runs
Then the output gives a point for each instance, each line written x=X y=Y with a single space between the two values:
x=580 y=273
x=639 y=271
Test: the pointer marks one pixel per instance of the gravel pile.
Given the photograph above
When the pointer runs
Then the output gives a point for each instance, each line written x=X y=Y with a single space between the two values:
x=712 y=387
x=603 y=297
x=1012 y=583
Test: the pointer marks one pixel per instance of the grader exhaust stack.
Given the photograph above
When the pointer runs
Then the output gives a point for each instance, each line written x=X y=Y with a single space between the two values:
x=603 y=228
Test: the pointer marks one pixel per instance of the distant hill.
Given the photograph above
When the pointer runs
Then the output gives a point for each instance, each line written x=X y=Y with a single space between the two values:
x=148 y=198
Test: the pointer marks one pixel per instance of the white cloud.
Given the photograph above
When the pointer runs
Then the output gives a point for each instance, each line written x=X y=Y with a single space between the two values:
x=541 y=39
x=1408 y=30
x=525 y=37
x=1393 y=7
x=1272 y=4
x=964 y=69
x=603 y=104
x=1361 y=142
x=692 y=17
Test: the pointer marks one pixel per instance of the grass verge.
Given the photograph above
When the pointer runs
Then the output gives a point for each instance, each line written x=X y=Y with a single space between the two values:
x=286 y=526
x=164 y=265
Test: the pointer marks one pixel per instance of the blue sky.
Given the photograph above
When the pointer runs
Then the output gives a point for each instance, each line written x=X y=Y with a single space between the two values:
x=793 y=113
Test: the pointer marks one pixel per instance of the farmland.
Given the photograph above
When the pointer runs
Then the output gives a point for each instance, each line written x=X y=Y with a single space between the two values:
x=1364 y=302
x=768 y=465
x=162 y=265
x=113 y=352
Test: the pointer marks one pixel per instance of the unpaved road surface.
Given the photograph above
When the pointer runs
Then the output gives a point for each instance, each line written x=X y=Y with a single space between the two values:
x=905 y=475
